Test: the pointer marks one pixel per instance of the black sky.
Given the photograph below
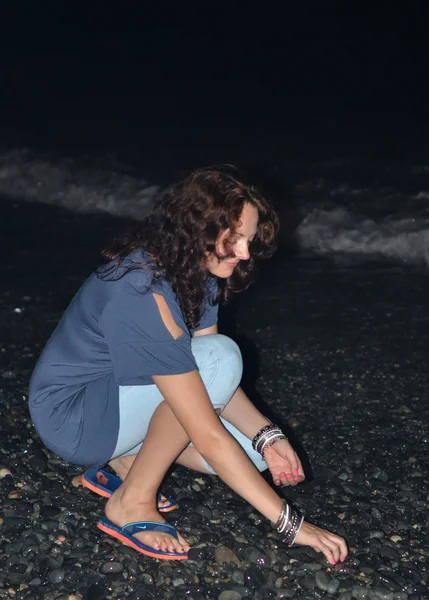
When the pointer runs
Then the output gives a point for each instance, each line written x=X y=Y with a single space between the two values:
x=278 y=66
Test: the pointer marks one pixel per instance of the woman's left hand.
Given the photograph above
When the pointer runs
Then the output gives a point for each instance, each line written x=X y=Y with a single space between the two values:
x=284 y=464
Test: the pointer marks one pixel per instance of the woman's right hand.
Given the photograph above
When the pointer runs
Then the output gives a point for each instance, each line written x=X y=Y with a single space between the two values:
x=333 y=546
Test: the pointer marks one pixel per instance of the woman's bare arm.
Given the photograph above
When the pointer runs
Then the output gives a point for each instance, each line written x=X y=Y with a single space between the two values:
x=188 y=399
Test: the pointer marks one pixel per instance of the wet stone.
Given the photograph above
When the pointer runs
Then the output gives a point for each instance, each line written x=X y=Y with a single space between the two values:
x=140 y=594
x=133 y=568
x=308 y=583
x=204 y=511
x=322 y=580
x=18 y=568
x=12 y=560
x=197 y=554
x=238 y=577
x=12 y=547
x=49 y=512
x=380 y=474
x=50 y=563
x=147 y=579
x=311 y=567
x=237 y=592
x=333 y=586
x=393 y=583
x=284 y=593
x=360 y=593
x=57 y=575
x=256 y=556
x=195 y=520
x=95 y=592
x=254 y=577
x=38 y=464
x=376 y=534
x=226 y=555
x=389 y=552
x=112 y=567
x=410 y=572
x=210 y=537
x=380 y=593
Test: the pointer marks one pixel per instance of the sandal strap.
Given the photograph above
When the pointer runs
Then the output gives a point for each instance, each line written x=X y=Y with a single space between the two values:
x=139 y=526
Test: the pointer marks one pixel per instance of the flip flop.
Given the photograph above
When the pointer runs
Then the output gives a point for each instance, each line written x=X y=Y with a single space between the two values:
x=104 y=484
x=125 y=535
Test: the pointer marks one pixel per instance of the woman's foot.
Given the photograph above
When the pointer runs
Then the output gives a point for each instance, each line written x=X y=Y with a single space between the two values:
x=121 y=512
x=122 y=465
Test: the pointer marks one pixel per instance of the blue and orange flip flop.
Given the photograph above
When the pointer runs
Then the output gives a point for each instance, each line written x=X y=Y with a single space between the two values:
x=125 y=535
x=104 y=484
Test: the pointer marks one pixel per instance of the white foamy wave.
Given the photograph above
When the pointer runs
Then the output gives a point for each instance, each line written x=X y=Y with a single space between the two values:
x=341 y=214
x=337 y=230
x=66 y=183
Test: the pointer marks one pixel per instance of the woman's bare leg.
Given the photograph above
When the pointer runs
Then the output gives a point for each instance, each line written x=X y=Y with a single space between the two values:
x=135 y=499
x=189 y=458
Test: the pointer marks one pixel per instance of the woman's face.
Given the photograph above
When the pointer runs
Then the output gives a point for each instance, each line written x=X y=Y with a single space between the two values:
x=238 y=246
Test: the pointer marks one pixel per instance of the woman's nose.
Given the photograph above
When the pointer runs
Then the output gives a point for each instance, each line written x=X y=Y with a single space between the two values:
x=242 y=251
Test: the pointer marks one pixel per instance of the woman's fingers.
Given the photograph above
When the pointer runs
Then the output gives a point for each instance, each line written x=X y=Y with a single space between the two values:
x=333 y=547
x=284 y=464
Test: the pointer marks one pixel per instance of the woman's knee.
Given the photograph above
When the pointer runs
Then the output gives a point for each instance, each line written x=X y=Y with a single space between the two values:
x=219 y=361
x=221 y=347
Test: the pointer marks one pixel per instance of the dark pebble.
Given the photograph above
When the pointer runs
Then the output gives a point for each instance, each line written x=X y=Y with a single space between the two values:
x=18 y=568
x=308 y=583
x=57 y=575
x=12 y=547
x=322 y=580
x=112 y=567
x=49 y=512
x=13 y=559
x=147 y=579
x=230 y=595
x=389 y=552
x=204 y=511
x=133 y=568
x=197 y=554
x=210 y=537
x=195 y=520
x=410 y=572
x=256 y=556
x=38 y=464
x=31 y=551
x=380 y=474
x=254 y=577
x=49 y=563
x=95 y=592
x=139 y=594
x=381 y=593
x=14 y=578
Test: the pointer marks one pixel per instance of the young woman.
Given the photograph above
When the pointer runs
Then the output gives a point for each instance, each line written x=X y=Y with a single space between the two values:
x=136 y=374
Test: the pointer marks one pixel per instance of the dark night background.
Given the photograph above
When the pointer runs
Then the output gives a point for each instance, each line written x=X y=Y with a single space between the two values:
x=311 y=79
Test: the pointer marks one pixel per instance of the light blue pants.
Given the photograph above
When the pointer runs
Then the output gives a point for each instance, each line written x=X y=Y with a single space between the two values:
x=220 y=366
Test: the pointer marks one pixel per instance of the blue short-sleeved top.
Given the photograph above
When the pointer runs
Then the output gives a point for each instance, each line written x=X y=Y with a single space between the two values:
x=111 y=334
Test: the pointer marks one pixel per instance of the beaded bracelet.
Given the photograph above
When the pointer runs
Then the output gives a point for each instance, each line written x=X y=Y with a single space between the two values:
x=266 y=437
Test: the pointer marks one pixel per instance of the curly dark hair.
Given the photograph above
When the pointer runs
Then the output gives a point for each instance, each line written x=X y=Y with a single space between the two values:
x=184 y=227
